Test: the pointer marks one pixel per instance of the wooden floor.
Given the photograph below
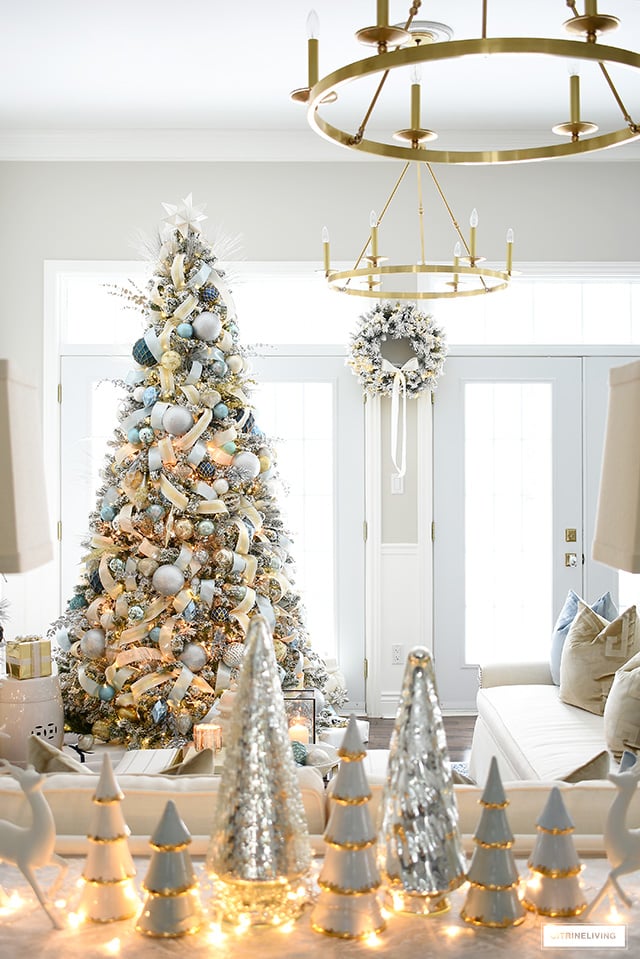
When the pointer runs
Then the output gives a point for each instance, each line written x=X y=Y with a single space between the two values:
x=458 y=729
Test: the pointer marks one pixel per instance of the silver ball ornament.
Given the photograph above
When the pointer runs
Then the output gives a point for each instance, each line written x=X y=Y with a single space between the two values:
x=168 y=580
x=177 y=420
x=194 y=657
x=233 y=655
x=93 y=643
x=247 y=462
x=207 y=326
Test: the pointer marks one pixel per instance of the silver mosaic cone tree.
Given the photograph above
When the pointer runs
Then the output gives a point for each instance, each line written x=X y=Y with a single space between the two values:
x=492 y=898
x=259 y=852
x=554 y=888
x=420 y=850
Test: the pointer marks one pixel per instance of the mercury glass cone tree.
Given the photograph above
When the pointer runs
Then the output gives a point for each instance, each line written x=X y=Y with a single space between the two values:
x=348 y=905
x=420 y=848
x=108 y=893
x=259 y=854
x=186 y=542
x=492 y=898
x=554 y=888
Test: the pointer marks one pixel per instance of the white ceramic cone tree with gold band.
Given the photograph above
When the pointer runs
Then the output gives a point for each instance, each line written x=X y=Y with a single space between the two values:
x=108 y=891
x=348 y=906
x=492 y=897
x=554 y=888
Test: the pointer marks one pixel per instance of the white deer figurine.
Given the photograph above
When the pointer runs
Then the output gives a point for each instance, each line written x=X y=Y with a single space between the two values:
x=31 y=847
x=622 y=845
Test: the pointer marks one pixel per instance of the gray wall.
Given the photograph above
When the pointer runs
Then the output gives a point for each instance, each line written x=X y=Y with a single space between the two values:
x=76 y=210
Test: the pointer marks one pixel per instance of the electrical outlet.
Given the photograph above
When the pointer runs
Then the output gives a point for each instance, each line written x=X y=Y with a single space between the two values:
x=397 y=654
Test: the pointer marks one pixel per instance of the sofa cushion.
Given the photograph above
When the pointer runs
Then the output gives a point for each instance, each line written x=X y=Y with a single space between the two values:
x=604 y=606
x=536 y=736
x=593 y=651
x=622 y=709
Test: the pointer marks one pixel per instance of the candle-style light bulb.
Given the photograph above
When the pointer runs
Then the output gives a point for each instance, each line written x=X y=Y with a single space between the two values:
x=574 y=96
x=373 y=223
x=509 y=263
x=457 y=253
x=415 y=98
x=313 y=29
x=325 y=248
x=473 y=223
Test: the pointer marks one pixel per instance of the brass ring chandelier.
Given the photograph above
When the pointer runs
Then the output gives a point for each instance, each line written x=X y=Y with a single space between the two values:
x=397 y=47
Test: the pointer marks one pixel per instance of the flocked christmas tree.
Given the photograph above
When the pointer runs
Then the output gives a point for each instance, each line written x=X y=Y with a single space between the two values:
x=186 y=542
x=420 y=849
x=555 y=888
x=108 y=892
x=492 y=898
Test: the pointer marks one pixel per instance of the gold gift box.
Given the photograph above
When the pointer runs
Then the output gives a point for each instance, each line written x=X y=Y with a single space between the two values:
x=29 y=657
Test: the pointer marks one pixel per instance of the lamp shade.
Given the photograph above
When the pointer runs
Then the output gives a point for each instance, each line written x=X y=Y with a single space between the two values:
x=617 y=536
x=24 y=524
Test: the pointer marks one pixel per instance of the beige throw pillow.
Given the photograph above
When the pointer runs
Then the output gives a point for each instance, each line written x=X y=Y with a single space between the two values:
x=594 y=650
x=622 y=710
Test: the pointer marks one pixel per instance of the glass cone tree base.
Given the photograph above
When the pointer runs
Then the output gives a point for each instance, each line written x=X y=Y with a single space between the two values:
x=415 y=904
x=260 y=902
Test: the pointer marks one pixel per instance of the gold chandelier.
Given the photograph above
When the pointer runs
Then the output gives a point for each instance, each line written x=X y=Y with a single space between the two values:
x=468 y=274
x=418 y=43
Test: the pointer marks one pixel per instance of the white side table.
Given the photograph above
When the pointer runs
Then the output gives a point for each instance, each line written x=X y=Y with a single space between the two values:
x=30 y=707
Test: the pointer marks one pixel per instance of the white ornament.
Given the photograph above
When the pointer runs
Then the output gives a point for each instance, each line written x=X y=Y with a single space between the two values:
x=233 y=655
x=207 y=326
x=211 y=398
x=138 y=393
x=221 y=486
x=235 y=363
x=93 y=643
x=247 y=462
x=177 y=420
x=183 y=216
x=225 y=342
x=194 y=656
x=32 y=847
x=168 y=580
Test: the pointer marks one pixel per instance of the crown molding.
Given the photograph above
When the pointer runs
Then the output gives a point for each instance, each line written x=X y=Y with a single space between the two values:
x=208 y=146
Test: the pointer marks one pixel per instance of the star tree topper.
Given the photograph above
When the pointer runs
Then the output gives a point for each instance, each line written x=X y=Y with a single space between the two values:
x=184 y=216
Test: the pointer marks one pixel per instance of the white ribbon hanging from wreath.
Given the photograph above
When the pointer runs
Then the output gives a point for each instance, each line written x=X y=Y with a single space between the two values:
x=398 y=411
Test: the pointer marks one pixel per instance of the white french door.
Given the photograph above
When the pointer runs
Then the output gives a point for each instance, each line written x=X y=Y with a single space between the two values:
x=507 y=510
x=312 y=408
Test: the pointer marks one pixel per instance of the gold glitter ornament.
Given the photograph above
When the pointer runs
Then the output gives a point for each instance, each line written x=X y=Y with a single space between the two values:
x=127 y=712
x=101 y=730
x=171 y=361
x=280 y=650
x=183 y=528
x=147 y=566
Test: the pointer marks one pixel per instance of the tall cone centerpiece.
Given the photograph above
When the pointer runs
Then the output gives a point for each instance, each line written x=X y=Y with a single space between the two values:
x=108 y=892
x=492 y=898
x=555 y=888
x=348 y=905
x=420 y=848
x=172 y=904
x=259 y=854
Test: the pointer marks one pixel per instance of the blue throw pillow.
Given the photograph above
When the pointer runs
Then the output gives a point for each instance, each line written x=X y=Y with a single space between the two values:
x=604 y=606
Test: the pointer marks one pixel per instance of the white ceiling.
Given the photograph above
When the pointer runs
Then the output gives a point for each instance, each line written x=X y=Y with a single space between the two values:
x=196 y=79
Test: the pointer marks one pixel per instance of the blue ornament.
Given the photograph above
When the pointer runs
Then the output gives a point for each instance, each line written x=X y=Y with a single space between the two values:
x=219 y=368
x=150 y=395
x=95 y=582
x=154 y=634
x=209 y=294
x=146 y=435
x=159 y=711
x=155 y=511
x=229 y=447
x=106 y=693
x=77 y=601
x=142 y=354
x=220 y=411
x=185 y=330
x=189 y=612
x=107 y=513
x=136 y=613
x=62 y=638
x=133 y=436
x=206 y=469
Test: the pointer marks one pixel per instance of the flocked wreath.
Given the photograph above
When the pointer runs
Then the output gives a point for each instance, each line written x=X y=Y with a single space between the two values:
x=397 y=321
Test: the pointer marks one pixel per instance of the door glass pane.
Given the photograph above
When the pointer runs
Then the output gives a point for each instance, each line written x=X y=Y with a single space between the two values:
x=628 y=589
x=508 y=521
x=298 y=417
